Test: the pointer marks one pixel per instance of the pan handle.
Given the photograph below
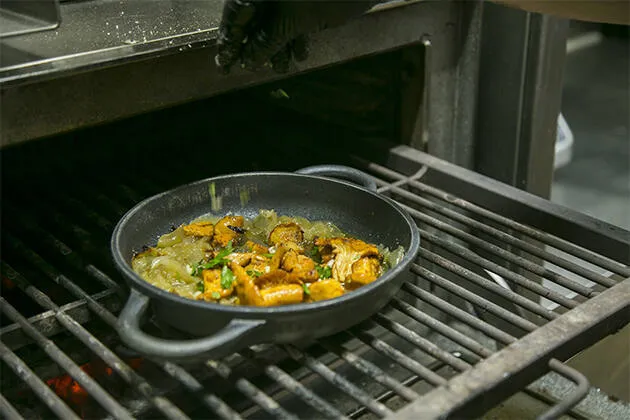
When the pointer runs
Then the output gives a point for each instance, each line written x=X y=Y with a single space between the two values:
x=233 y=336
x=342 y=172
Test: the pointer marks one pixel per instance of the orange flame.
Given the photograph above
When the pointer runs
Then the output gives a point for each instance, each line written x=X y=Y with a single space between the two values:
x=7 y=283
x=69 y=390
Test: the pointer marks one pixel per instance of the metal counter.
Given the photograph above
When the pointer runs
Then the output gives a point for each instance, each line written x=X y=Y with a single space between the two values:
x=96 y=32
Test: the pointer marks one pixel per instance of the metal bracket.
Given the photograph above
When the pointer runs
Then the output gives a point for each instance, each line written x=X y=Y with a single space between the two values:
x=572 y=400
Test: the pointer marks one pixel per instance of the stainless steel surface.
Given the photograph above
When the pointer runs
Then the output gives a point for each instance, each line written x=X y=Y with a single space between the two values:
x=19 y=17
x=100 y=32
x=452 y=90
x=434 y=339
x=520 y=85
x=59 y=95
x=106 y=32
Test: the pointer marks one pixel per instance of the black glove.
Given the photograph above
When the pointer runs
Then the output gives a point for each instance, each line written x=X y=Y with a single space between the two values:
x=256 y=32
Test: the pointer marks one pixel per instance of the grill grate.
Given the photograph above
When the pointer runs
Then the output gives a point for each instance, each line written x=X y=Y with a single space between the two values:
x=472 y=301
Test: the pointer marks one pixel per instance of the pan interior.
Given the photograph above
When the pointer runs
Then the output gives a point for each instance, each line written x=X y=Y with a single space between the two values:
x=359 y=214
x=355 y=211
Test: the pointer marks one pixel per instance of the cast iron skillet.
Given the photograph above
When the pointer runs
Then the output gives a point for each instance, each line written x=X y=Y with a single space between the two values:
x=357 y=210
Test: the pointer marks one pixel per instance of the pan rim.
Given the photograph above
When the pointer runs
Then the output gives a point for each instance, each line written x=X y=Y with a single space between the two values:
x=251 y=312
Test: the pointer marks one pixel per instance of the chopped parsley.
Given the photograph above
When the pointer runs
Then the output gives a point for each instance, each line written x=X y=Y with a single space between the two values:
x=267 y=255
x=254 y=273
x=216 y=295
x=218 y=260
x=227 y=277
x=196 y=269
x=200 y=287
x=324 y=271
x=314 y=253
x=305 y=287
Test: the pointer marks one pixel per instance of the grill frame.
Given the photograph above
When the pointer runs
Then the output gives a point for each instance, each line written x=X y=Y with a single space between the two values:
x=600 y=314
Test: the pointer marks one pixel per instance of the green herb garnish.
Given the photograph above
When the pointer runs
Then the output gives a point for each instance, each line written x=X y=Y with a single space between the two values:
x=218 y=260
x=314 y=253
x=200 y=287
x=227 y=277
x=324 y=271
x=279 y=94
x=215 y=202
x=216 y=295
x=244 y=196
x=267 y=255
x=305 y=287
x=254 y=273
x=196 y=269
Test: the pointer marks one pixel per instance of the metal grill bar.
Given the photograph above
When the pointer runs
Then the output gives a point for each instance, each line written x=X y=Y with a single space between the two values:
x=516 y=226
x=111 y=200
x=29 y=224
x=125 y=372
x=251 y=391
x=164 y=405
x=500 y=252
x=387 y=395
x=20 y=248
x=476 y=300
x=291 y=385
x=578 y=395
x=7 y=410
x=56 y=354
x=40 y=389
x=551 y=402
x=75 y=206
x=392 y=185
x=338 y=381
x=145 y=389
x=371 y=370
x=459 y=314
x=210 y=400
x=556 y=411
x=418 y=369
x=59 y=219
x=487 y=284
x=421 y=342
x=441 y=328
x=525 y=359
x=47 y=324
x=493 y=308
x=482 y=262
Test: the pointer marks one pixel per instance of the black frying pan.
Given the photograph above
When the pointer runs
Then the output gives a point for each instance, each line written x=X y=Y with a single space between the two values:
x=357 y=210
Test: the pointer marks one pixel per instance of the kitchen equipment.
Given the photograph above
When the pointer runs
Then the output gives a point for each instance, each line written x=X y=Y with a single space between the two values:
x=125 y=103
x=61 y=294
x=27 y=17
x=358 y=211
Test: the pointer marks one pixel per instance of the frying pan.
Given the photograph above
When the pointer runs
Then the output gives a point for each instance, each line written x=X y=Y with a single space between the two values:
x=316 y=193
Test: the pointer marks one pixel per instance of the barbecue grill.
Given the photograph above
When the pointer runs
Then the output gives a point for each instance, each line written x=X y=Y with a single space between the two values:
x=507 y=288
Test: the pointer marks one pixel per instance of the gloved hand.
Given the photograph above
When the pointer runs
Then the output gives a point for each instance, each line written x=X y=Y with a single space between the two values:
x=256 y=32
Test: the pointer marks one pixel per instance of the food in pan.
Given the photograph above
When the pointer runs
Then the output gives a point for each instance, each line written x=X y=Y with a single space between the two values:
x=267 y=260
